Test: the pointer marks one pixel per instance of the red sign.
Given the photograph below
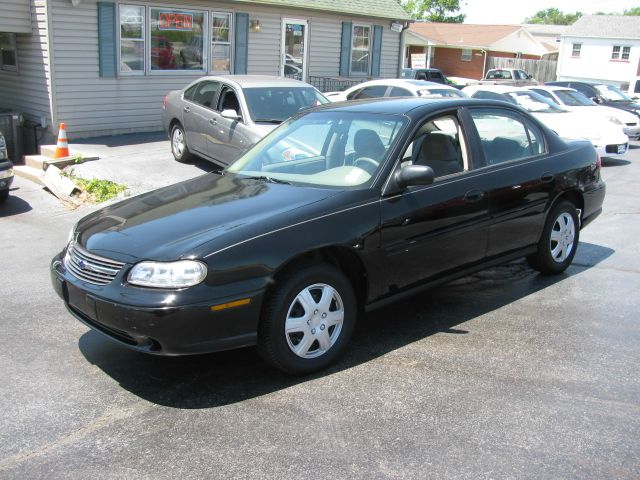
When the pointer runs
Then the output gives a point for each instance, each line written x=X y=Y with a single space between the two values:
x=175 y=21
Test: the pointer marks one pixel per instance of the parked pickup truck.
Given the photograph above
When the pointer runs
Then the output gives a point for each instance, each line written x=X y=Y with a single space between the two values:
x=508 y=76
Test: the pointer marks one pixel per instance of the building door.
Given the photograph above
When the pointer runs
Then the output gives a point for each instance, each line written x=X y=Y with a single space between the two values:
x=295 y=46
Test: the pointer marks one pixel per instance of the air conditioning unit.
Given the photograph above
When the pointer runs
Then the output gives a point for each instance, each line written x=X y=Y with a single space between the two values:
x=11 y=126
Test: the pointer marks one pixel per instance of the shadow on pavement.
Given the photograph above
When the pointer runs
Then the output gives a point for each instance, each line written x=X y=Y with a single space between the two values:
x=224 y=378
x=124 y=140
x=13 y=205
x=615 y=162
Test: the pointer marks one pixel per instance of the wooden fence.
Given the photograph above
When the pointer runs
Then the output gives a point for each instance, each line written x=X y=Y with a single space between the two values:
x=542 y=70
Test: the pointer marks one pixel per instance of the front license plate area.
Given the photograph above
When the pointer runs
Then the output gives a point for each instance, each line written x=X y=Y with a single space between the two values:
x=622 y=148
x=80 y=301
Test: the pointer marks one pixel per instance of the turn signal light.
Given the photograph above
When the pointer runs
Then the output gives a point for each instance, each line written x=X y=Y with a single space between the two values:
x=165 y=99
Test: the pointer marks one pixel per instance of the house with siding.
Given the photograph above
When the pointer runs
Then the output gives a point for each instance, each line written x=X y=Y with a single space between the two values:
x=601 y=48
x=103 y=67
x=463 y=50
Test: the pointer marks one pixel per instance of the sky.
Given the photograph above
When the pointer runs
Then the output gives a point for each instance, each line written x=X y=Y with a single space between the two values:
x=515 y=11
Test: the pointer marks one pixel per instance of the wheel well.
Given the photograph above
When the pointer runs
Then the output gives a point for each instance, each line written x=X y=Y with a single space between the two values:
x=173 y=123
x=574 y=197
x=341 y=258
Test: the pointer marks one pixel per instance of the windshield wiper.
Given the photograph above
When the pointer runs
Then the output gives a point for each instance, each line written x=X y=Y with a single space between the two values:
x=269 y=120
x=268 y=179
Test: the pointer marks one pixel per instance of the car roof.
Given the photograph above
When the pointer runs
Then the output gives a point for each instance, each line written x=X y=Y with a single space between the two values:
x=494 y=88
x=553 y=88
x=252 y=81
x=403 y=105
x=402 y=82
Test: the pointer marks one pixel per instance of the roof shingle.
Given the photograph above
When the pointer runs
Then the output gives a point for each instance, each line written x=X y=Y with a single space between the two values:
x=605 y=26
x=388 y=9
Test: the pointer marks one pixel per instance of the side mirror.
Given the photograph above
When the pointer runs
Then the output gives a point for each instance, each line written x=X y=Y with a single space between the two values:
x=411 y=175
x=597 y=99
x=230 y=113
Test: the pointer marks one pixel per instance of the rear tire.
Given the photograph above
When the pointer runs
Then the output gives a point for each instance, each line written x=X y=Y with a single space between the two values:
x=559 y=240
x=4 y=194
x=179 y=147
x=308 y=320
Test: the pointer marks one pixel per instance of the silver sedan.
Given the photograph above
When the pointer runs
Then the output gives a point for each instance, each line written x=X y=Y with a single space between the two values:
x=218 y=118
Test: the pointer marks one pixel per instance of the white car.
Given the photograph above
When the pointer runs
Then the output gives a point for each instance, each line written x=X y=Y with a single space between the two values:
x=608 y=139
x=575 y=101
x=395 y=87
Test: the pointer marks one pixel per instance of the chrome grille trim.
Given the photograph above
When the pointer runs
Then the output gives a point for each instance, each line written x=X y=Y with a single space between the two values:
x=90 y=268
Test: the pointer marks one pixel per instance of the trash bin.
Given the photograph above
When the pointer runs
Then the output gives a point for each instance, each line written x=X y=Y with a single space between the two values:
x=11 y=126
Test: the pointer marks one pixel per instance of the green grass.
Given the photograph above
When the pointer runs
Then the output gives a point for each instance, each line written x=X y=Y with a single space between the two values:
x=96 y=190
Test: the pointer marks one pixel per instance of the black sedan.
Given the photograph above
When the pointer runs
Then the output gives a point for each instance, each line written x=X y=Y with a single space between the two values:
x=339 y=210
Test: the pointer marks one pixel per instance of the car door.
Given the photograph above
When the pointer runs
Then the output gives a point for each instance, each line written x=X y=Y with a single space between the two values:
x=515 y=158
x=427 y=231
x=229 y=137
x=197 y=113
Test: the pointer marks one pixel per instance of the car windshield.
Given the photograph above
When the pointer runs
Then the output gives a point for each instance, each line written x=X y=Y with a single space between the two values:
x=574 y=99
x=441 y=93
x=613 y=93
x=276 y=104
x=332 y=149
x=535 y=103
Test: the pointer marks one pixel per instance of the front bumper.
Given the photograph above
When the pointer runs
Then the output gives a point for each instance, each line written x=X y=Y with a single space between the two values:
x=184 y=327
x=632 y=132
x=6 y=175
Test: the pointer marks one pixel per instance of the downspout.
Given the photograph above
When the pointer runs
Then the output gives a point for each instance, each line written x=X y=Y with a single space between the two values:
x=403 y=53
x=428 y=56
x=484 y=65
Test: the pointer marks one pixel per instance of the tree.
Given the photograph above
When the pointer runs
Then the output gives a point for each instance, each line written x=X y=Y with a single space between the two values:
x=553 y=16
x=434 y=10
x=635 y=11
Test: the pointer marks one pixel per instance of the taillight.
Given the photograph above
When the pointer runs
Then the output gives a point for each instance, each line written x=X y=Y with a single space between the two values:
x=165 y=99
x=598 y=161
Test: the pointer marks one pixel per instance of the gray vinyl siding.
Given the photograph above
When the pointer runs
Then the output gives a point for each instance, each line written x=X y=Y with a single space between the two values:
x=390 y=58
x=15 y=16
x=93 y=105
x=28 y=90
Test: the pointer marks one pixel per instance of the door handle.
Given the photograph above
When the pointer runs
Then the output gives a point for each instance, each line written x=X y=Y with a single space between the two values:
x=213 y=121
x=473 y=196
x=547 y=177
x=187 y=109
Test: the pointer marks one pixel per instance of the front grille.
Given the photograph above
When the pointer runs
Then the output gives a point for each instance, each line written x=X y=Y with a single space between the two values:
x=90 y=268
x=632 y=124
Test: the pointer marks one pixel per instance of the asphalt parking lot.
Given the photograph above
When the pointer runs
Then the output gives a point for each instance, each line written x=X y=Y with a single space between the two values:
x=502 y=375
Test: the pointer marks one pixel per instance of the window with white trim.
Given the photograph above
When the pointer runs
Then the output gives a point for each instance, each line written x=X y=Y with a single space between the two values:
x=131 y=39
x=8 y=52
x=221 y=42
x=360 y=49
x=575 y=49
x=160 y=40
x=620 y=52
x=466 y=55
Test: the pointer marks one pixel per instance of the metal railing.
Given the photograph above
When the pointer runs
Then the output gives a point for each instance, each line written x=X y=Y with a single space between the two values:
x=329 y=84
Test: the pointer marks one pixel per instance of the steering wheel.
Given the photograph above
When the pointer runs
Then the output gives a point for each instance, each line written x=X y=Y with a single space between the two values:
x=367 y=164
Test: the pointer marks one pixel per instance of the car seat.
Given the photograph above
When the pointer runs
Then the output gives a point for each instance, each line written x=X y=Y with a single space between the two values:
x=439 y=152
x=367 y=143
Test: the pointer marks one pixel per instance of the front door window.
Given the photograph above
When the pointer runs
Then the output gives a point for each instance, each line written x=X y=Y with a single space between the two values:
x=294 y=48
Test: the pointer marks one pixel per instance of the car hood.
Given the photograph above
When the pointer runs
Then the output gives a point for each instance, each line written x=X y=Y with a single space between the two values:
x=192 y=218
x=574 y=126
x=603 y=111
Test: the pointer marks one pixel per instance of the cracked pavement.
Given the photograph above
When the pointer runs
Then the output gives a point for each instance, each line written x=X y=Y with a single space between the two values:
x=504 y=374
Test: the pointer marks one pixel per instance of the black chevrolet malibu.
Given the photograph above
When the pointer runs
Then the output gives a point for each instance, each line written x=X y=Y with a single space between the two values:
x=339 y=210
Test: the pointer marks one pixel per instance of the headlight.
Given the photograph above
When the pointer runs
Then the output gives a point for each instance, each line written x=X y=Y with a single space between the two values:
x=6 y=173
x=614 y=120
x=184 y=273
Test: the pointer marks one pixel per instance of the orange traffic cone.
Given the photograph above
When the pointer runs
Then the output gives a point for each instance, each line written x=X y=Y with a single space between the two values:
x=62 y=148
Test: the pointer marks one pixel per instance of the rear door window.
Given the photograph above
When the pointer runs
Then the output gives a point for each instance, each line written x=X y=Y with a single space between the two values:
x=400 y=92
x=374 y=91
x=506 y=136
x=205 y=93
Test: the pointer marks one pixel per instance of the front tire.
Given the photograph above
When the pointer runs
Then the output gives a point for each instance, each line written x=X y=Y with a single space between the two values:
x=308 y=320
x=4 y=194
x=559 y=240
x=179 y=147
